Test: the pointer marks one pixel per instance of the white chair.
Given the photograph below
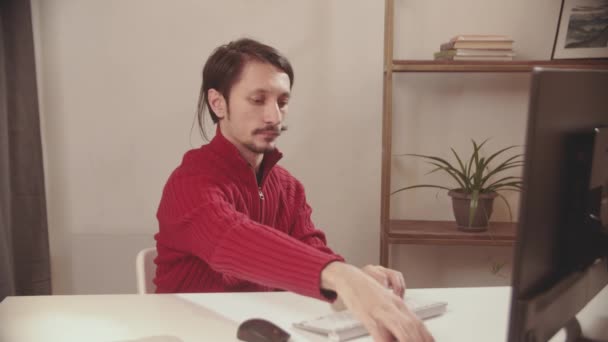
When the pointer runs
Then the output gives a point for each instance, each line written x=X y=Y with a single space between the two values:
x=145 y=270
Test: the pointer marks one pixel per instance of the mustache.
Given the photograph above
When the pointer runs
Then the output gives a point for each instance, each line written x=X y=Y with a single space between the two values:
x=272 y=129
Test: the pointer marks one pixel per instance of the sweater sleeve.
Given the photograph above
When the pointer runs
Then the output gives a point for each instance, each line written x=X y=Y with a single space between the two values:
x=233 y=244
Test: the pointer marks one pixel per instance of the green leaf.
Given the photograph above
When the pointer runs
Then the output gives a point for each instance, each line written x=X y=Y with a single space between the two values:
x=434 y=170
x=478 y=173
x=503 y=166
x=452 y=173
x=441 y=160
x=482 y=143
x=493 y=172
x=494 y=155
x=500 y=181
x=497 y=266
x=506 y=186
x=508 y=207
x=421 y=186
x=474 y=156
x=462 y=168
x=486 y=179
x=473 y=175
x=473 y=206
x=447 y=166
x=471 y=160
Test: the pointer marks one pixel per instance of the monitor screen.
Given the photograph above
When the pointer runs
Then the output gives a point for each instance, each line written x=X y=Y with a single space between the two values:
x=561 y=246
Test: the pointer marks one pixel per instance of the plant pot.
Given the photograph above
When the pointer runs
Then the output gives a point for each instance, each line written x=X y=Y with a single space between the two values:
x=461 y=203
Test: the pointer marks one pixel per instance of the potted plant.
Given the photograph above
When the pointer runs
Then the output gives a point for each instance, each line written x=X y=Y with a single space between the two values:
x=478 y=184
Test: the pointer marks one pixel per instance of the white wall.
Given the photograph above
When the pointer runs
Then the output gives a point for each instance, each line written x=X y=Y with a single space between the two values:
x=119 y=82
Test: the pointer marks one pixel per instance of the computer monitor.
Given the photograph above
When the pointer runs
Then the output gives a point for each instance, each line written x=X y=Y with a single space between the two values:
x=562 y=238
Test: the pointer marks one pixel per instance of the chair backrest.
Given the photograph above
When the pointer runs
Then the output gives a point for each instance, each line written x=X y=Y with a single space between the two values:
x=145 y=270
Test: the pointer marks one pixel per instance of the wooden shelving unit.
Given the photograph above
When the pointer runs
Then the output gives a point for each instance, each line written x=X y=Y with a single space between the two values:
x=510 y=66
x=440 y=232
x=445 y=233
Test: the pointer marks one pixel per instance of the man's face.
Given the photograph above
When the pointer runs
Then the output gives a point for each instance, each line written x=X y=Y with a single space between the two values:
x=257 y=106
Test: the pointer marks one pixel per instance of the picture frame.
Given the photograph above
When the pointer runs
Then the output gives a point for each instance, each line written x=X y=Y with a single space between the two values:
x=582 y=31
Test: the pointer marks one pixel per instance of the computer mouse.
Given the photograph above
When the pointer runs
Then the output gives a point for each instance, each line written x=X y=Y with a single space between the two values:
x=261 y=330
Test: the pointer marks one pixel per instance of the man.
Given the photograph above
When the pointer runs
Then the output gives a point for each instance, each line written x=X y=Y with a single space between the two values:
x=232 y=220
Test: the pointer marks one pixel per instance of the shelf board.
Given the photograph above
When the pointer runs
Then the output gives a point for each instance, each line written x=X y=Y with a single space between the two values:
x=446 y=233
x=483 y=66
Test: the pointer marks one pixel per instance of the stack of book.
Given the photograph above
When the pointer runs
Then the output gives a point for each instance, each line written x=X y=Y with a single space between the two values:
x=477 y=48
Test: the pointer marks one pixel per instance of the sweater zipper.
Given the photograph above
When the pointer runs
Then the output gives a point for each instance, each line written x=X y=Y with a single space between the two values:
x=261 y=204
x=261 y=195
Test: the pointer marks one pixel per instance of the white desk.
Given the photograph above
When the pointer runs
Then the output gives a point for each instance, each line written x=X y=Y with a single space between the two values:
x=474 y=314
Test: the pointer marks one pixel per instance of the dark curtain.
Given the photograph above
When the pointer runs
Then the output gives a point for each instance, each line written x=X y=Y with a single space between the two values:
x=24 y=246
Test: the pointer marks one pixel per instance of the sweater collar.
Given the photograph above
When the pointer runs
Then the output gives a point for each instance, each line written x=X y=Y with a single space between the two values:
x=229 y=152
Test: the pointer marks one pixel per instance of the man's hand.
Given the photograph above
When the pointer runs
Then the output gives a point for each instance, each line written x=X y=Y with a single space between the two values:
x=383 y=313
x=387 y=278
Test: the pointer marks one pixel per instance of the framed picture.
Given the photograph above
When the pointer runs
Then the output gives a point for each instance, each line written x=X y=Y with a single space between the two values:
x=583 y=30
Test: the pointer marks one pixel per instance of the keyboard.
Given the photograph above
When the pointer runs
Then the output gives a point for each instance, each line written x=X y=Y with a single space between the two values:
x=343 y=326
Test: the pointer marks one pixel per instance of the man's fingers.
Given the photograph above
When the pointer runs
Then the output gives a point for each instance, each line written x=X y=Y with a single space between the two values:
x=387 y=278
x=381 y=334
x=403 y=285
x=399 y=326
x=384 y=315
x=415 y=325
x=380 y=276
x=410 y=323
x=396 y=282
x=378 y=332
x=426 y=335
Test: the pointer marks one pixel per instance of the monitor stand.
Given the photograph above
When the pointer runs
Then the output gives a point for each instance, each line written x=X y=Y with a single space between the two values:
x=574 y=332
x=567 y=297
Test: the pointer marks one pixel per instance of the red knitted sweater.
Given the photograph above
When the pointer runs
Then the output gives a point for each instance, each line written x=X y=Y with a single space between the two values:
x=219 y=231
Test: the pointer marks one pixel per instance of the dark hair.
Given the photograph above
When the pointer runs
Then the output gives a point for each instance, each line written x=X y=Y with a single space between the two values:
x=223 y=68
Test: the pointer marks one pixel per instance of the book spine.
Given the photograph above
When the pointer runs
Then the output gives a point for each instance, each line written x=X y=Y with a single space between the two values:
x=480 y=37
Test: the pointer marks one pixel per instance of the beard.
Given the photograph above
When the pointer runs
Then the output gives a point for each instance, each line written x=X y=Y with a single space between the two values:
x=269 y=129
x=258 y=149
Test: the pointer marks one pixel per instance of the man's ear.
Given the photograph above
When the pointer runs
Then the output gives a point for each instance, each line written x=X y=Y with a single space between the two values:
x=217 y=103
